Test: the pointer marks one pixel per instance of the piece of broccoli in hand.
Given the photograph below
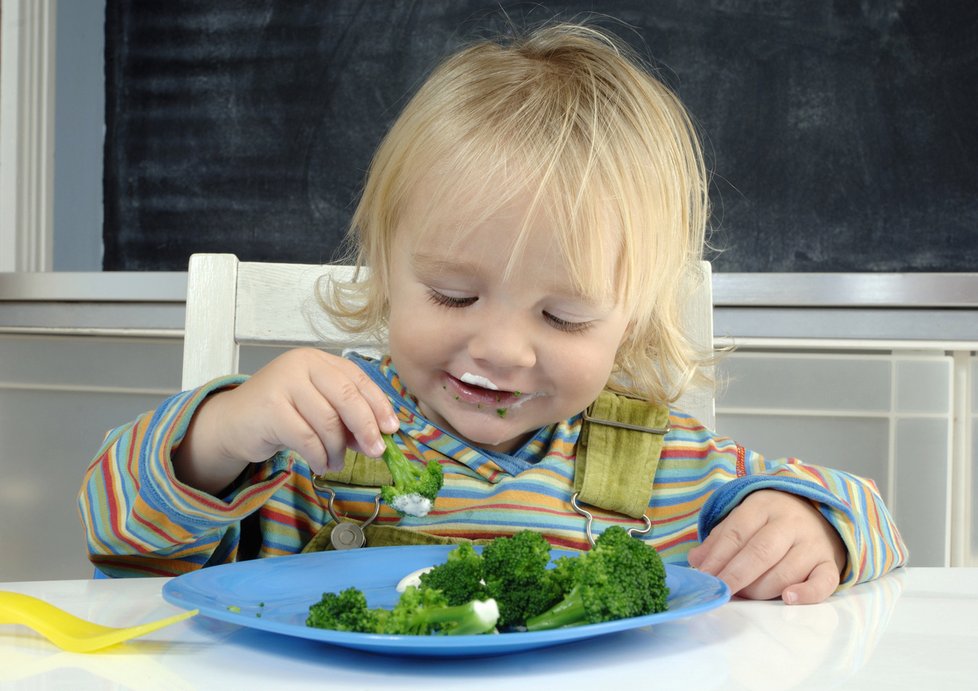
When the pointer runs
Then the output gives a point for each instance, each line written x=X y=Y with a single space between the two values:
x=424 y=611
x=415 y=486
x=459 y=577
x=344 y=611
x=620 y=577
x=516 y=575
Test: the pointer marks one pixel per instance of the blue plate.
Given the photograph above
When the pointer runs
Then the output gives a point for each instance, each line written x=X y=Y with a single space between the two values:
x=274 y=594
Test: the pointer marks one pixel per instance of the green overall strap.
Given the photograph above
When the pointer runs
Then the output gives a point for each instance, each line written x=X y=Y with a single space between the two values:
x=359 y=470
x=618 y=453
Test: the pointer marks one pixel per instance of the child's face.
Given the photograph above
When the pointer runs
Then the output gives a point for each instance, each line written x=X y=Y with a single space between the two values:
x=492 y=359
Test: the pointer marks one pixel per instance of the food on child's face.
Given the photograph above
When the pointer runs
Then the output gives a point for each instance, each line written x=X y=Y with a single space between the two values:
x=478 y=380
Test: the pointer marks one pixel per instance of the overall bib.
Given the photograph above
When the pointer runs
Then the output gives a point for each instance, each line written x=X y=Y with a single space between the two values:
x=614 y=427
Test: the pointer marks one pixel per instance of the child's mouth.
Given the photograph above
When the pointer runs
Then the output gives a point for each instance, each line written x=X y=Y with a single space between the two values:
x=477 y=390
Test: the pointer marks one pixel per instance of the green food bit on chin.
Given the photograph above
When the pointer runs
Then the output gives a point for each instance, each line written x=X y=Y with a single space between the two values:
x=501 y=412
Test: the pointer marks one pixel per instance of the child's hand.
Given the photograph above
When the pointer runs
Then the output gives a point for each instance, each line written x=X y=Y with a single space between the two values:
x=774 y=544
x=307 y=400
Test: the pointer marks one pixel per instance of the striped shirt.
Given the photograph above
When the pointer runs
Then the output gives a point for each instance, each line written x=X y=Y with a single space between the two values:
x=141 y=520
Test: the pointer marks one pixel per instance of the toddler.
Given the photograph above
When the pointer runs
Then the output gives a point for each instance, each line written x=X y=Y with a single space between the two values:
x=526 y=228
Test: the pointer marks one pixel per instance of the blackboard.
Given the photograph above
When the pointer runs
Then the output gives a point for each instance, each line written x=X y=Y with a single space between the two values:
x=843 y=136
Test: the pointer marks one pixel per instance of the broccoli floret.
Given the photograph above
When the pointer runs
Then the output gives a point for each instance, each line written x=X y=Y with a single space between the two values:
x=424 y=611
x=415 y=486
x=417 y=612
x=563 y=574
x=459 y=577
x=516 y=575
x=511 y=585
x=620 y=577
x=344 y=611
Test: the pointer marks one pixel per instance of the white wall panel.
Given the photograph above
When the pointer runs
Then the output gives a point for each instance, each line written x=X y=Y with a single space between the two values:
x=58 y=397
x=887 y=417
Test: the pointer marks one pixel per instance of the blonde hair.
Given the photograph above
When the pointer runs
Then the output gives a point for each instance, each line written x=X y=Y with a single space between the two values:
x=570 y=111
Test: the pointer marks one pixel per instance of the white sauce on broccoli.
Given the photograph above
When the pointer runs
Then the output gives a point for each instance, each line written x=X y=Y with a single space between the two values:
x=412 y=504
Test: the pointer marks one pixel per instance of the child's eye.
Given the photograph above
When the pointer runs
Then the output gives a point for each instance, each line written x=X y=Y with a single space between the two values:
x=566 y=326
x=448 y=300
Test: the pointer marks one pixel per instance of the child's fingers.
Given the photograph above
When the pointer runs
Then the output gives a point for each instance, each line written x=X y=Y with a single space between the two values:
x=323 y=420
x=763 y=550
x=773 y=544
x=375 y=397
x=727 y=539
x=356 y=404
x=297 y=434
x=820 y=584
x=792 y=569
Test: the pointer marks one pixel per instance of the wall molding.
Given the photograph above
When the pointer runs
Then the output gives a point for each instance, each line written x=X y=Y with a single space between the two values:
x=27 y=81
x=87 y=388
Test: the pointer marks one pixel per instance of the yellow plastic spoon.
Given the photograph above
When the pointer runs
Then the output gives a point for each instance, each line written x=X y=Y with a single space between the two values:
x=67 y=631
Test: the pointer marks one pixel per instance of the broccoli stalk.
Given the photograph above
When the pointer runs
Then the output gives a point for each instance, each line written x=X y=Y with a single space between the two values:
x=621 y=577
x=415 y=487
x=424 y=611
x=417 y=613
x=568 y=612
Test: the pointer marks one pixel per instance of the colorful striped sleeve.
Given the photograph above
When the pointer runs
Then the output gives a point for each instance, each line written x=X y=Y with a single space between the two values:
x=140 y=520
x=852 y=505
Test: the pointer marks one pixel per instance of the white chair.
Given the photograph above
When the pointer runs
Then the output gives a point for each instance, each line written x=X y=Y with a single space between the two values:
x=232 y=303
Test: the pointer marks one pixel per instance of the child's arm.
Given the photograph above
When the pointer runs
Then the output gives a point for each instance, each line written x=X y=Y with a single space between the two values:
x=140 y=518
x=785 y=542
x=774 y=544
x=307 y=400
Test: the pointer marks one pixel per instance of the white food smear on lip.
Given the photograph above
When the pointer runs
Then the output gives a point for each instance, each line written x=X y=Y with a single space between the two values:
x=477 y=380
x=524 y=398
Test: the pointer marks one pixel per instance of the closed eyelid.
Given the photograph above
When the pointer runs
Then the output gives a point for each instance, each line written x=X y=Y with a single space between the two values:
x=568 y=326
x=439 y=298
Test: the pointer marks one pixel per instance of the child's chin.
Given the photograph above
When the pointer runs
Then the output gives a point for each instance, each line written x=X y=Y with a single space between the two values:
x=495 y=433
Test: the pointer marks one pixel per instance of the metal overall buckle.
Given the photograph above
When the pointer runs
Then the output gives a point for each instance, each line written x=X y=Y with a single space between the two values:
x=346 y=534
x=589 y=520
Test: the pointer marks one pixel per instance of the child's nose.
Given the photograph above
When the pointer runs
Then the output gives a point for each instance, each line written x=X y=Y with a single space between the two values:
x=502 y=343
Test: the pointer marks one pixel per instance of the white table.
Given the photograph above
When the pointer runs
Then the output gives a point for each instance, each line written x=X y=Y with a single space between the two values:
x=914 y=629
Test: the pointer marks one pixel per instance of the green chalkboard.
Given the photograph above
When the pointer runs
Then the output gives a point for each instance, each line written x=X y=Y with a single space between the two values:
x=842 y=135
